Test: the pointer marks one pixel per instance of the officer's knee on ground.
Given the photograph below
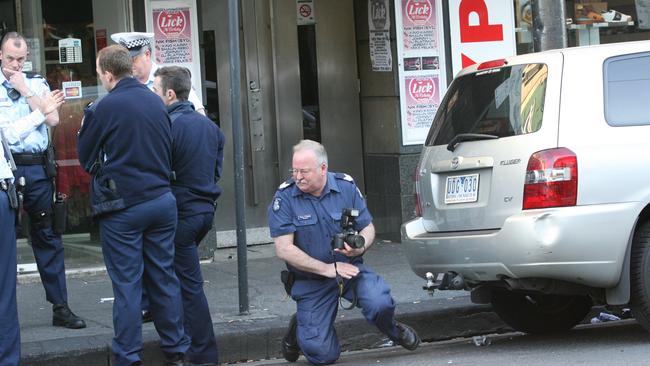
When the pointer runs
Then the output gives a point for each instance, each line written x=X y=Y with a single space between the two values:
x=319 y=353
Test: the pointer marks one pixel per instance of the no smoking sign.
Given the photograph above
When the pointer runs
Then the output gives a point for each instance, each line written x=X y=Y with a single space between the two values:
x=305 y=12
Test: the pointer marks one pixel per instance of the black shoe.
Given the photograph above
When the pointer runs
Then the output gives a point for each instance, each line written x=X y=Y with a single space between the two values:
x=177 y=359
x=146 y=316
x=407 y=337
x=62 y=316
x=290 y=349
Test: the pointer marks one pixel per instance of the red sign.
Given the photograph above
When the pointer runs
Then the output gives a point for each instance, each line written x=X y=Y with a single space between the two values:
x=418 y=11
x=305 y=11
x=171 y=22
x=480 y=30
x=422 y=89
x=100 y=38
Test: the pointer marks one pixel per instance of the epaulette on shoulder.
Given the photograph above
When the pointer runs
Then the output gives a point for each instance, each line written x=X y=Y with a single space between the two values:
x=93 y=104
x=344 y=176
x=33 y=75
x=285 y=184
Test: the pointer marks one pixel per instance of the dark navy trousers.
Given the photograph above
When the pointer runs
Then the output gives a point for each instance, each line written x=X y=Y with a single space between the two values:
x=138 y=249
x=47 y=246
x=9 y=328
x=317 y=301
x=197 y=320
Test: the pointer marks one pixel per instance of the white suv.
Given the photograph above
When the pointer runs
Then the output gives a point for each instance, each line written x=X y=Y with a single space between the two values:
x=533 y=186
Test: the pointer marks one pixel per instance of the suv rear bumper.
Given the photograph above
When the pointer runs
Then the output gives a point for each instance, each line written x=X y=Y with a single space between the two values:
x=581 y=244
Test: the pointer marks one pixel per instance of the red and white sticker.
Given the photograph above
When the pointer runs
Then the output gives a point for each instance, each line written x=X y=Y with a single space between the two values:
x=419 y=11
x=422 y=89
x=171 y=22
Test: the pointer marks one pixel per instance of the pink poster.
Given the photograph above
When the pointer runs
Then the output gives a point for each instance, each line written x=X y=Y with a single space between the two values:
x=422 y=100
x=419 y=25
x=173 y=35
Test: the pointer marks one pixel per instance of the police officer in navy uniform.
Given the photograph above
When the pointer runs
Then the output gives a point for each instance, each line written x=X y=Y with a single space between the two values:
x=125 y=143
x=197 y=158
x=21 y=94
x=9 y=327
x=303 y=217
x=139 y=46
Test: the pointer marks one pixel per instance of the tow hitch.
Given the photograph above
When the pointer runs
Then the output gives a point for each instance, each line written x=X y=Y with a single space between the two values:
x=444 y=281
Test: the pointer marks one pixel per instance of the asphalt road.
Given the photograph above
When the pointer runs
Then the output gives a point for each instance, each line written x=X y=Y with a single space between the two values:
x=615 y=343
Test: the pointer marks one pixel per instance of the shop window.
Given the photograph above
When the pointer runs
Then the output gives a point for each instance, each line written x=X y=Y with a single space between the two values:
x=627 y=90
x=61 y=39
x=589 y=22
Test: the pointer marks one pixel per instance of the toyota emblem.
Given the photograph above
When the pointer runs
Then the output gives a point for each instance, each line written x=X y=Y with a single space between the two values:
x=454 y=162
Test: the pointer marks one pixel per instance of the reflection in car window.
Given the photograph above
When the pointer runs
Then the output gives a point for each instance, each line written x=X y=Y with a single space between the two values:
x=504 y=102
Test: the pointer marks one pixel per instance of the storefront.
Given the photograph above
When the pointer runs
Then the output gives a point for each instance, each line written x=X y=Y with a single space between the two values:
x=307 y=71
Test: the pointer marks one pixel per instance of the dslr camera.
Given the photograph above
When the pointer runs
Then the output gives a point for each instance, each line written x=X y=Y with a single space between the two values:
x=348 y=234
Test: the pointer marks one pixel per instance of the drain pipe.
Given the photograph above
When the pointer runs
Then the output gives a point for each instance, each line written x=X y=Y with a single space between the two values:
x=238 y=146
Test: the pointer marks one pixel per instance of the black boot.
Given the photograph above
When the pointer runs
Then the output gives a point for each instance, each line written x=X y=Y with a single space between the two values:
x=62 y=316
x=177 y=359
x=147 y=317
x=407 y=337
x=290 y=349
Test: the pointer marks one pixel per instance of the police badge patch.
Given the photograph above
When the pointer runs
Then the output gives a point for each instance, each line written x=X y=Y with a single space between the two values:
x=276 y=204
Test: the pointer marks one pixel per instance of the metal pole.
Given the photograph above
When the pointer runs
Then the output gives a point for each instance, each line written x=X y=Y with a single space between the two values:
x=238 y=146
x=549 y=25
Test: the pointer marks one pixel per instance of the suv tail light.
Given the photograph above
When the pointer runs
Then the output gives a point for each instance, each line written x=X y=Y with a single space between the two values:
x=551 y=179
x=418 y=201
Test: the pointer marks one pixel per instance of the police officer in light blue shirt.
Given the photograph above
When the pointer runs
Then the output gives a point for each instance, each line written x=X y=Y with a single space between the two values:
x=20 y=94
x=9 y=327
x=304 y=216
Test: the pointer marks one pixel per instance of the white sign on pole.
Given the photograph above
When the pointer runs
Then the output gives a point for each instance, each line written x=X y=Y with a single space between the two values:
x=305 y=12
x=481 y=30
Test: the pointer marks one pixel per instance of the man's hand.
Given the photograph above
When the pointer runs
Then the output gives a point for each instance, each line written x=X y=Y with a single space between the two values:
x=16 y=80
x=348 y=251
x=345 y=270
x=52 y=101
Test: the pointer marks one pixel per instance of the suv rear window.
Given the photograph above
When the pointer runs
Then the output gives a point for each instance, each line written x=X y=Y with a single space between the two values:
x=506 y=101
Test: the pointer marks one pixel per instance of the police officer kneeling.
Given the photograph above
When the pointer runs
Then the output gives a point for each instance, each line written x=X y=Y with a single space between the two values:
x=303 y=217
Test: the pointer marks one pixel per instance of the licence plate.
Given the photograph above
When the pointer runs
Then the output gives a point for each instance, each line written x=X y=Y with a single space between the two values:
x=461 y=188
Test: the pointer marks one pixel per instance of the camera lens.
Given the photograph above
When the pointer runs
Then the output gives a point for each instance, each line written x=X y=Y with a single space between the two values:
x=355 y=241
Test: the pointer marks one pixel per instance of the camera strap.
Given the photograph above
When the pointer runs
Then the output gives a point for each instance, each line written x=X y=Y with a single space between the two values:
x=340 y=283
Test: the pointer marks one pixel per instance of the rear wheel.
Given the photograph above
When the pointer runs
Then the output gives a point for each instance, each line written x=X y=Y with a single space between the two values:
x=640 y=276
x=540 y=313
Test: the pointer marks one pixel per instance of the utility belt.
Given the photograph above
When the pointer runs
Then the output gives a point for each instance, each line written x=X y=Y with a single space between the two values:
x=46 y=159
x=30 y=159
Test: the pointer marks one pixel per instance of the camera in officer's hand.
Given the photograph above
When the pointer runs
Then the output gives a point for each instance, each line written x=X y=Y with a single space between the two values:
x=348 y=234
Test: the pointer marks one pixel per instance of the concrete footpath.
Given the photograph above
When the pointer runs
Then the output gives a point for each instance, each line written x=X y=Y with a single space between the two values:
x=448 y=314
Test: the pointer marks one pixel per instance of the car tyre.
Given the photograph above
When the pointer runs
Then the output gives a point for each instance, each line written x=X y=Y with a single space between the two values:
x=640 y=276
x=540 y=313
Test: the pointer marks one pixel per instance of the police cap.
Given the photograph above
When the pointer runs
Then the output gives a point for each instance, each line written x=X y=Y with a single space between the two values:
x=133 y=41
